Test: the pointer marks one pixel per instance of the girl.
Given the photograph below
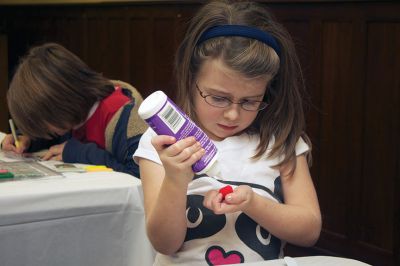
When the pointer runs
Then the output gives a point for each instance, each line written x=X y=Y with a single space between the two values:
x=238 y=69
x=59 y=103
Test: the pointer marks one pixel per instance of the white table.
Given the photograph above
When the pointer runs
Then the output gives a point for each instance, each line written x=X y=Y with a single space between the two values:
x=83 y=219
x=309 y=261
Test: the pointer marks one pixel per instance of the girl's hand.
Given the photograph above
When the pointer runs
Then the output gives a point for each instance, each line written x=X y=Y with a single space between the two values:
x=55 y=153
x=239 y=200
x=178 y=156
x=9 y=145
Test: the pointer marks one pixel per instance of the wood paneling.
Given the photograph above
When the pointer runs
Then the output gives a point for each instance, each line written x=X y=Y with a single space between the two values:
x=3 y=83
x=381 y=131
x=352 y=60
x=351 y=66
x=141 y=60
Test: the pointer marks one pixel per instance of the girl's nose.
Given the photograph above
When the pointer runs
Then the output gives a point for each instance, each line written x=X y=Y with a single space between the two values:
x=232 y=112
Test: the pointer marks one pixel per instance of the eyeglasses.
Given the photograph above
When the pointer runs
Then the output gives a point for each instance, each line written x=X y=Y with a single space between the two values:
x=223 y=102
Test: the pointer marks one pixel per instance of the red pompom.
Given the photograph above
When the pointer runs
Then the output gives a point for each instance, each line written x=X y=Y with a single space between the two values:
x=225 y=191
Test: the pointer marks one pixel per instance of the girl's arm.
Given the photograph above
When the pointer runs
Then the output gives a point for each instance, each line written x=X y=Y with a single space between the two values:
x=297 y=220
x=165 y=188
x=165 y=207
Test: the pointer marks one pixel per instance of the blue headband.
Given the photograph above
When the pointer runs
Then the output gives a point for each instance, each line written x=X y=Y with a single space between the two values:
x=242 y=31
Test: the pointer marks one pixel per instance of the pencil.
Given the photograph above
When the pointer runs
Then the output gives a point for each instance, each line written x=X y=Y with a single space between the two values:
x=14 y=133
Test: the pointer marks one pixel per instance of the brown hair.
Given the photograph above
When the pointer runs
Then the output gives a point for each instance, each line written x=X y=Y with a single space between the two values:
x=53 y=86
x=283 y=119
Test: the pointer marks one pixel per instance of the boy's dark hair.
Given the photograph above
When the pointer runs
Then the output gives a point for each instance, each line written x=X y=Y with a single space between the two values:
x=53 y=86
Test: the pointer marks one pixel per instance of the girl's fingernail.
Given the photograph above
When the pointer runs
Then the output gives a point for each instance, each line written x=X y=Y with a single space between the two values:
x=228 y=198
x=225 y=190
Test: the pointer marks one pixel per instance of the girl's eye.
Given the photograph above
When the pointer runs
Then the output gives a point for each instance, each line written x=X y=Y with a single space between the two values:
x=250 y=103
x=218 y=99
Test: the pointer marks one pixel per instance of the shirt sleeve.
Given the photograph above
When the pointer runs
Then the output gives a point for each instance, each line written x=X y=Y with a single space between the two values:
x=146 y=149
x=301 y=147
x=89 y=153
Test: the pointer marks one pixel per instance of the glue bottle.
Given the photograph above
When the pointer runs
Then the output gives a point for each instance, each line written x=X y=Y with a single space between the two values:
x=166 y=118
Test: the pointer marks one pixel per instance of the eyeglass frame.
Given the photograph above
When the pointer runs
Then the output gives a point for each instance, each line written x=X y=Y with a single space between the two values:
x=262 y=105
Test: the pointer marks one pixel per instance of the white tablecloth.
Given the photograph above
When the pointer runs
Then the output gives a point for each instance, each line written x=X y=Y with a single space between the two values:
x=81 y=220
x=309 y=261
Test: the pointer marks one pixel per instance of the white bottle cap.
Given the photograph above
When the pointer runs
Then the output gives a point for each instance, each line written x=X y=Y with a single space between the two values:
x=152 y=104
x=212 y=168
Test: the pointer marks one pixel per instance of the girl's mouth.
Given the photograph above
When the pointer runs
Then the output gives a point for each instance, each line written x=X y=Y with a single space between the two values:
x=228 y=128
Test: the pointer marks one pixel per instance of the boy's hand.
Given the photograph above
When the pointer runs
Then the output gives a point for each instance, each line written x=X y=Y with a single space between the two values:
x=8 y=144
x=178 y=156
x=239 y=200
x=55 y=153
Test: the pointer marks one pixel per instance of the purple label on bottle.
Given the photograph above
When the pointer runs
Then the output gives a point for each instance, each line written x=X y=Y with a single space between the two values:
x=171 y=120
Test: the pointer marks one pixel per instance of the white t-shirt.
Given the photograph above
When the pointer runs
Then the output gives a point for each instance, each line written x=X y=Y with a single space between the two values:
x=230 y=238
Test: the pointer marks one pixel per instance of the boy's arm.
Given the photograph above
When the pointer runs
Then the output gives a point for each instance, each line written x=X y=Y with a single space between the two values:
x=89 y=153
x=41 y=144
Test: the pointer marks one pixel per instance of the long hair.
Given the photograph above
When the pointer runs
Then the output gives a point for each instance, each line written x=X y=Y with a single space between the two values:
x=282 y=122
x=53 y=86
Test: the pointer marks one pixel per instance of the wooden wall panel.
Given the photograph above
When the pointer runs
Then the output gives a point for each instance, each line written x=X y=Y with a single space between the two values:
x=381 y=132
x=335 y=124
x=141 y=56
x=163 y=48
x=3 y=83
x=118 y=48
x=70 y=32
x=97 y=44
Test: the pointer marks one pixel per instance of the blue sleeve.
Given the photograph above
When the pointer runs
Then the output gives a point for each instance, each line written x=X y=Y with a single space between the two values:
x=89 y=153
x=40 y=144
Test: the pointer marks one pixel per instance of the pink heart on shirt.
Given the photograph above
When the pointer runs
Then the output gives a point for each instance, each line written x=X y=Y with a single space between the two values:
x=216 y=255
